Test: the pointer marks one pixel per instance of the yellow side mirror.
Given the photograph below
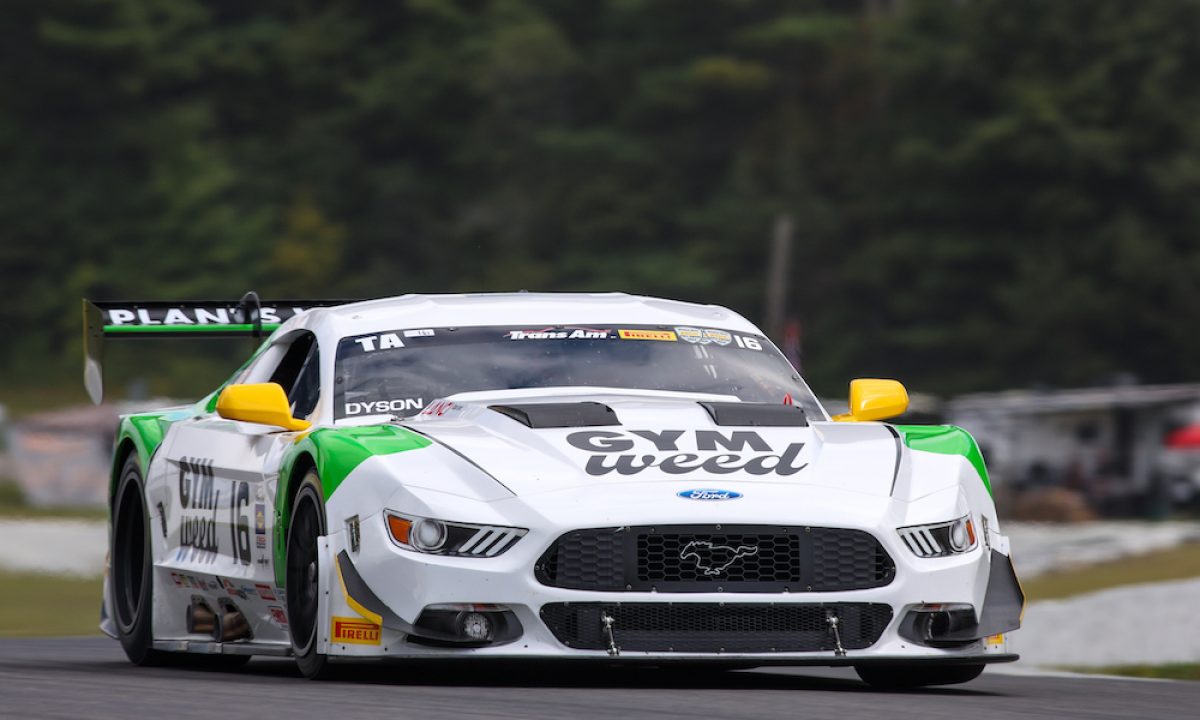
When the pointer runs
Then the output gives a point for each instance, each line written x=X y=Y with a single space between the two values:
x=263 y=403
x=872 y=399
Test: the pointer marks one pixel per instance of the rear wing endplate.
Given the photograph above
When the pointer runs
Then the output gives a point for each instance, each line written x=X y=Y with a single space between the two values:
x=248 y=317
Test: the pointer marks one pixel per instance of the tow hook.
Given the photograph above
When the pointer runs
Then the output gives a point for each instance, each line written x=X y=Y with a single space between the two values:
x=832 y=619
x=607 y=621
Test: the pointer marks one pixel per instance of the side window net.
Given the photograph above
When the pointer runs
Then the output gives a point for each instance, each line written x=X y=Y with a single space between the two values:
x=307 y=390
x=299 y=374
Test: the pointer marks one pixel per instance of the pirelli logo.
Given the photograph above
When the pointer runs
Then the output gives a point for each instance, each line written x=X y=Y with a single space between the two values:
x=667 y=335
x=355 y=631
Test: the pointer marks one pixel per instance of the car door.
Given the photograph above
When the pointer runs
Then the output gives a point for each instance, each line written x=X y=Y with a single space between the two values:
x=215 y=493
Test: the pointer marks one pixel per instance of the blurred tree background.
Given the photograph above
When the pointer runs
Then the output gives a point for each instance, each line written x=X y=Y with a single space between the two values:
x=982 y=194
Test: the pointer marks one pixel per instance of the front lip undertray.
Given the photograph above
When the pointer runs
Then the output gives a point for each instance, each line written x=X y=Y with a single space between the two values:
x=708 y=627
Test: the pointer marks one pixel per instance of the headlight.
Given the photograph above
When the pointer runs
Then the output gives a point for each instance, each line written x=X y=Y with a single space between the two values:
x=438 y=537
x=941 y=539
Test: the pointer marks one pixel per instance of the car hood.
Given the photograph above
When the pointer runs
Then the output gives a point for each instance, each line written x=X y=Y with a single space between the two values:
x=654 y=438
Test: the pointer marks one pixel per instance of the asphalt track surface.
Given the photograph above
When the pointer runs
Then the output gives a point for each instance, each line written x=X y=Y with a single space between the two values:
x=90 y=678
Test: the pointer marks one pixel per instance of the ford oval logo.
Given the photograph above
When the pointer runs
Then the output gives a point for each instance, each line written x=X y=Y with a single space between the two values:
x=709 y=494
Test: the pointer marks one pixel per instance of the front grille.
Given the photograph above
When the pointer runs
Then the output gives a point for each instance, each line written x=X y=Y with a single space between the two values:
x=717 y=627
x=715 y=558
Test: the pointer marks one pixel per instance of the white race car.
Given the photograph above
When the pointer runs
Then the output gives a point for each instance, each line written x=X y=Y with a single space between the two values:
x=597 y=477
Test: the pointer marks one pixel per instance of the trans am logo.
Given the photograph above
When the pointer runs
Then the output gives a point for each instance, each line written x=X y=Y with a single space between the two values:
x=712 y=559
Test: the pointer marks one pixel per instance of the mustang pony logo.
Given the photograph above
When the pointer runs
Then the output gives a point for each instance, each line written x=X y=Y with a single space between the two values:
x=719 y=557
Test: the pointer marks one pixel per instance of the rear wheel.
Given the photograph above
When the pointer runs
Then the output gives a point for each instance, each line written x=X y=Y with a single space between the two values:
x=899 y=677
x=131 y=584
x=303 y=571
x=131 y=589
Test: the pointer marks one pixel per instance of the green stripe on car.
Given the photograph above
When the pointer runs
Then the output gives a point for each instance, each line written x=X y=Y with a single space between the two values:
x=946 y=440
x=234 y=327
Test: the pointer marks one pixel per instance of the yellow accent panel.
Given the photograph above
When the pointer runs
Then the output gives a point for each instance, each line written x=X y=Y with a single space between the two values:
x=358 y=607
x=263 y=403
x=1024 y=597
x=874 y=399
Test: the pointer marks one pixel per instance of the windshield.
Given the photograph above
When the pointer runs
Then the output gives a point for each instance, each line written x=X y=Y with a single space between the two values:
x=400 y=371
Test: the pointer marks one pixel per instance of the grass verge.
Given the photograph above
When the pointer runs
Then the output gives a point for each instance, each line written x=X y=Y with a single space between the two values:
x=12 y=505
x=1171 y=671
x=34 y=605
x=1176 y=563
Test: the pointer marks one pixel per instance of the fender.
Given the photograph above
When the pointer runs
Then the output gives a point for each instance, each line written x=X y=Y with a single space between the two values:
x=946 y=440
x=334 y=452
x=145 y=431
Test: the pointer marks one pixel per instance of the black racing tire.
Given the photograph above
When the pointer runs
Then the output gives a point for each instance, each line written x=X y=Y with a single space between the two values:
x=903 y=677
x=131 y=583
x=306 y=525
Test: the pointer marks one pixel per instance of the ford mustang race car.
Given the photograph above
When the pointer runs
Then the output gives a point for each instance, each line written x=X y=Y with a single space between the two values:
x=579 y=476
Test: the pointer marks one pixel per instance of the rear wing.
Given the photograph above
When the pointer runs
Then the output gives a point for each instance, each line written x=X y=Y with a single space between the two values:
x=248 y=317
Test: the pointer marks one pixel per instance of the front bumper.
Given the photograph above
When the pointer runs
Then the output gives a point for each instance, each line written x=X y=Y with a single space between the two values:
x=402 y=584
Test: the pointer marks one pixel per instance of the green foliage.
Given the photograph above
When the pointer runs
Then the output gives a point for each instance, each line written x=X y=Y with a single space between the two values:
x=986 y=194
x=1170 y=671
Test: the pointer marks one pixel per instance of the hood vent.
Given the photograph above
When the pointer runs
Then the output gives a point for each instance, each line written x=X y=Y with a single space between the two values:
x=755 y=414
x=559 y=415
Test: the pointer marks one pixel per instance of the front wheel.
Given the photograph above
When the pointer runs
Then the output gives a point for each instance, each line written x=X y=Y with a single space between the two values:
x=306 y=526
x=899 y=677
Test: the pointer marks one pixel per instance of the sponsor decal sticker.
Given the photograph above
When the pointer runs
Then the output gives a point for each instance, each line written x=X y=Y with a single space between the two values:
x=260 y=525
x=679 y=452
x=383 y=407
x=383 y=341
x=233 y=590
x=198 y=499
x=418 y=333
x=264 y=591
x=665 y=335
x=278 y=615
x=192 y=315
x=440 y=408
x=719 y=337
x=552 y=333
x=708 y=494
x=355 y=631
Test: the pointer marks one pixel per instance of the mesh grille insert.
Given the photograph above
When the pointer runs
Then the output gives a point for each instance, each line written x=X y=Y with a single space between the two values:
x=714 y=628
x=716 y=558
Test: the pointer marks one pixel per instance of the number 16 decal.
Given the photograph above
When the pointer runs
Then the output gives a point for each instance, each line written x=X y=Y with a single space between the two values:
x=239 y=521
x=747 y=342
